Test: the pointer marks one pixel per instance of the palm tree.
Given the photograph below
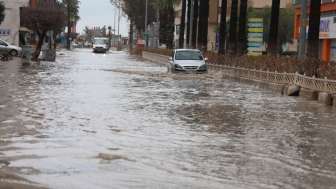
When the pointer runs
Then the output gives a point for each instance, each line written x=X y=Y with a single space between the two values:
x=182 y=24
x=72 y=8
x=314 y=29
x=233 y=27
x=188 y=22
x=222 y=28
x=167 y=19
x=195 y=23
x=273 y=31
x=242 y=27
x=203 y=24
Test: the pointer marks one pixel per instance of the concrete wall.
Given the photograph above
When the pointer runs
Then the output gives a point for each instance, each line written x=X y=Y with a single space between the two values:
x=10 y=27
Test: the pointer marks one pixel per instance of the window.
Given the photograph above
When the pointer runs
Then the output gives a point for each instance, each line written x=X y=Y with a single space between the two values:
x=3 y=43
x=188 y=55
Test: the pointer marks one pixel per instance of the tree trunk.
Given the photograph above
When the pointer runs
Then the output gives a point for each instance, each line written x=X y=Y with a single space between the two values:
x=195 y=23
x=273 y=31
x=233 y=27
x=222 y=29
x=242 y=42
x=131 y=36
x=54 y=39
x=314 y=30
x=188 y=21
x=37 y=52
x=69 y=27
x=182 y=25
x=203 y=24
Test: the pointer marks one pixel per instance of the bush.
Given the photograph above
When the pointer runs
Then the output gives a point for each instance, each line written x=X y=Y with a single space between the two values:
x=310 y=67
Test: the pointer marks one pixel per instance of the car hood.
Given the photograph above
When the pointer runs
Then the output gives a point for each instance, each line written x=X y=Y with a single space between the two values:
x=99 y=46
x=190 y=62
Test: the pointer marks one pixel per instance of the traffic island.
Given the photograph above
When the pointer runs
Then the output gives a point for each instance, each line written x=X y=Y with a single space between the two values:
x=309 y=94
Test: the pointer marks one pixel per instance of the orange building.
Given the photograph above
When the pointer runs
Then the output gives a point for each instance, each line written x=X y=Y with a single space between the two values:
x=327 y=30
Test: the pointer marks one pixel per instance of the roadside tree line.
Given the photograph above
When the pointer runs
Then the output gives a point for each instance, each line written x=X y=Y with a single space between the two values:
x=232 y=31
x=45 y=18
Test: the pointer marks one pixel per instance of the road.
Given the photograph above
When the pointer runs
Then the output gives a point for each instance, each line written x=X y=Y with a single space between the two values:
x=113 y=121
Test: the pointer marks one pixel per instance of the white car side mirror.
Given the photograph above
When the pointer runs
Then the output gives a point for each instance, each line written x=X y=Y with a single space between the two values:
x=170 y=59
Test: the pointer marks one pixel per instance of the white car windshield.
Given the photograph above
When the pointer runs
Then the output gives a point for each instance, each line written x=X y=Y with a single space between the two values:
x=100 y=41
x=188 y=55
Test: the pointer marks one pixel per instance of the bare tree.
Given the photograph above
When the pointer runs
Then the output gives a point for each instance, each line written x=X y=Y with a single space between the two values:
x=42 y=20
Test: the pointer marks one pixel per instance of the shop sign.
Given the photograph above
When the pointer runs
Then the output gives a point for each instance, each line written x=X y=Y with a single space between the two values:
x=328 y=27
x=255 y=36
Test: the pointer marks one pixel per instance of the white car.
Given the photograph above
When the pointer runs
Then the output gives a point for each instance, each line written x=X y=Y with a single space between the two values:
x=12 y=50
x=188 y=60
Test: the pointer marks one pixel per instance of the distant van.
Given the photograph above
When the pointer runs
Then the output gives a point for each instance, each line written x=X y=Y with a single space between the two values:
x=100 y=45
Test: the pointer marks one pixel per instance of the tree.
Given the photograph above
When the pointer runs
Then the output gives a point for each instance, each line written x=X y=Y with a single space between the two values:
x=273 y=34
x=222 y=28
x=134 y=9
x=203 y=24
x=188 y=22
x=195 y=23
x=314 y=30
x=42 y=20
x=72 y=13
x=242 y=35
x=2 y=12
x=233 y=27
x=167 y=20
x=182 y=23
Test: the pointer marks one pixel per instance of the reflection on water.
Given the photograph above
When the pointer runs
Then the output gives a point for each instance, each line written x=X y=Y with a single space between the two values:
x=111 y=121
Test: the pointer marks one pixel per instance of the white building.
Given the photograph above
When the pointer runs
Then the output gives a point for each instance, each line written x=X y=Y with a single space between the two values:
x=10 y=27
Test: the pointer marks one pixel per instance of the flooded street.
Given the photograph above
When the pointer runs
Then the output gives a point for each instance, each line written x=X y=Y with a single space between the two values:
x=111 y=121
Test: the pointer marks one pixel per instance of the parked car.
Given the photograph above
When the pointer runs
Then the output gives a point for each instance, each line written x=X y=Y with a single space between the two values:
x=100 y=45
x=188 y=60
x=12 y=50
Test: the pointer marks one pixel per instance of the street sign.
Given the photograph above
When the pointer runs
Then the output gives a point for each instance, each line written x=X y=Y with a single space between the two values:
x=255 y=36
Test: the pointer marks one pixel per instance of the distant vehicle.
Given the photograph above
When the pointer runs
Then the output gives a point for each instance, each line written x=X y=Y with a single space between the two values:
x=188 y=60
x=100 y=45
x=8 y=49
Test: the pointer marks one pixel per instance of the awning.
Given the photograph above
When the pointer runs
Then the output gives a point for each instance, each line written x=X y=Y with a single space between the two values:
x=24 y=29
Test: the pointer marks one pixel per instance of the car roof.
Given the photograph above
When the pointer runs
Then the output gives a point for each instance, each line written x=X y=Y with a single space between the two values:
x=187 y=50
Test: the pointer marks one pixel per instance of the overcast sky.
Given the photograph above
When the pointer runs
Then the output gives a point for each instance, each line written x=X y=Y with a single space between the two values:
x=99 y=13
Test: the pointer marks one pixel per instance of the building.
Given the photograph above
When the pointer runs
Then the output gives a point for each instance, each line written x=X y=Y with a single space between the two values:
x=327 y=29
x=10 y=27
x=214 y=17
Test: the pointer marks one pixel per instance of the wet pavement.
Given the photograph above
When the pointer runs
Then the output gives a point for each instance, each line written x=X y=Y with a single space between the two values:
x=112 y=121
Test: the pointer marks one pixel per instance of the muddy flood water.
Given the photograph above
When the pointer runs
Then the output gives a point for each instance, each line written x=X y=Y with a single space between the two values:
x=95 y=121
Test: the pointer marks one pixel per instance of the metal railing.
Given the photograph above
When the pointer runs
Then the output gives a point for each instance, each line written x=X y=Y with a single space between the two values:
x=312 y=83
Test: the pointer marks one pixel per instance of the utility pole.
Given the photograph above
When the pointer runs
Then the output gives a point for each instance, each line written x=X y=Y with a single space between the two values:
x=191 y=23
x=303 y=28
x=146 y=23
